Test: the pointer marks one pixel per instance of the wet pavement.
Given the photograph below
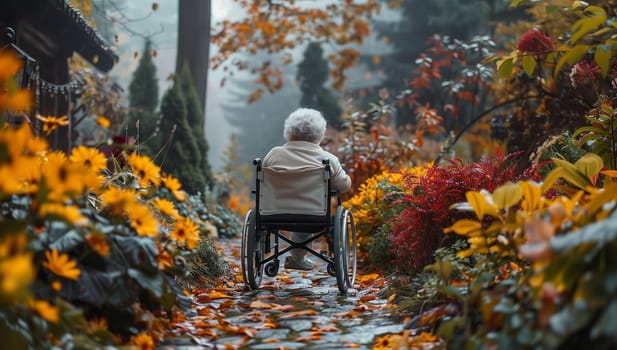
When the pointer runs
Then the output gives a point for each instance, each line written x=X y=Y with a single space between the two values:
x=294 y=310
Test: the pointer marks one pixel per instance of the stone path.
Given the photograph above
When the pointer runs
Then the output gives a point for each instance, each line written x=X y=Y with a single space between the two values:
x=295 y=310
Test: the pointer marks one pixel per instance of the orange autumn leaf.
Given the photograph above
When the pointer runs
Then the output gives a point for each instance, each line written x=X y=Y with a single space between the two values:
x=301 y=313
x=218 y=295
x=258 y=304
x=366 y=298
x=284 y=308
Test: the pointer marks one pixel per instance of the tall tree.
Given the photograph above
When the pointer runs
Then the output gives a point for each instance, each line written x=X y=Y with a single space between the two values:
x=312 y=76
x=194 y=44
x=194 y=117
x=143 y=100
x=180 y=152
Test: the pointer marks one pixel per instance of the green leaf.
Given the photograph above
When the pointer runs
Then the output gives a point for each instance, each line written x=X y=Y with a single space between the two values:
x=67 y=241
x=606 y=325
x=602 y=57
x=529 y=64
x=586 y=25
x=150 y=281
x=600 y=233
x=571 y=56
x=593 y=129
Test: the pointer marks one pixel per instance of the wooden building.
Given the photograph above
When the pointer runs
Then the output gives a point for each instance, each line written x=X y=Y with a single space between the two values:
x=46 y=33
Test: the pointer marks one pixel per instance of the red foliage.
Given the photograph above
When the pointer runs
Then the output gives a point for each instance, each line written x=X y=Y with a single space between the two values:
x=418 y=231
x=535 y=42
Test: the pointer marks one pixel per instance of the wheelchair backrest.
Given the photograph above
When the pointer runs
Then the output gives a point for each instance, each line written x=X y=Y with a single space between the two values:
x=293 y=192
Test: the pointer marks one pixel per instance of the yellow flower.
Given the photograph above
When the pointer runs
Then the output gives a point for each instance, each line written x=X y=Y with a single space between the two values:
x=185 y=231
x=10 y=64
x=96 y=324
x=45 y=310
x=98 y=243
x=166 y=207
x=143 y=341
x=61 y=265
x=90 y=157
x=174 y=186
x=62 y=177
x=142 y=220
x=146 y=171
x=102 y=121
x=117 y=199
x=56 y=285
x=69 y=213
x=16 y=274
x=51 y=123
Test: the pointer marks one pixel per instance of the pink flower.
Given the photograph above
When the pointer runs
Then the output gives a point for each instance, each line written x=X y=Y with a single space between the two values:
x=535 y=42
x=583 y=73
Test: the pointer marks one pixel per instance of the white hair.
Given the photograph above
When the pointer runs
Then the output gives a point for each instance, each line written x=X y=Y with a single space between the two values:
x=305 y=124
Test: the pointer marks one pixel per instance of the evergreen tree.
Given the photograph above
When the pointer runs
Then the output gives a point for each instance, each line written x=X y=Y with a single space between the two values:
x=259 y=125
x=195 y=118
x=143 y=100
x=312 y=75
x=180 y=153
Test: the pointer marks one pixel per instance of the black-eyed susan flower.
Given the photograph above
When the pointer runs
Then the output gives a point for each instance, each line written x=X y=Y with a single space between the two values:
x=166 y=207
x=45 y=310
x=186 y=232
x=174 y=186
x=117 y=199
x=143 y=341
x=89 y=157
x=51 y=123
x=63 y=178
x=16 y=274
x=69 y=213
x=61 y=264
x=146 y=171
x=142 y=220
x=98 y=243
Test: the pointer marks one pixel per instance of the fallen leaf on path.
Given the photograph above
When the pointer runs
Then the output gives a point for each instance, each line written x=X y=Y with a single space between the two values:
x=258 y=304
x=300 y=313
x=284 y=308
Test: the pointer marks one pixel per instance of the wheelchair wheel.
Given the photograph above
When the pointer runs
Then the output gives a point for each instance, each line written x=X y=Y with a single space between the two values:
x=252 y=252
x=344 y=249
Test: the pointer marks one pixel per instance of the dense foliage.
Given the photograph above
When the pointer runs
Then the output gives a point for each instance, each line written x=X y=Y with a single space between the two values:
x=90 y=246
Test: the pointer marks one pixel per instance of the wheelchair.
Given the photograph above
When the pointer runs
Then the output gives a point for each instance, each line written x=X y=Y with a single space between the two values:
x=298 y=201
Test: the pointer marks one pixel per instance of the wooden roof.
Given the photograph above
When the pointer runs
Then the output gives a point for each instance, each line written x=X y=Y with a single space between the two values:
x=49 y=29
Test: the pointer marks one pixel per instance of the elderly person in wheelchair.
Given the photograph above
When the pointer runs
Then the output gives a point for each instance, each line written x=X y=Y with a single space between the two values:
x=295 y=184
x=304 y=130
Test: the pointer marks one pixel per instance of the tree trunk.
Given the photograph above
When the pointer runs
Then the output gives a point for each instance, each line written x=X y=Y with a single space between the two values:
x=194 y=43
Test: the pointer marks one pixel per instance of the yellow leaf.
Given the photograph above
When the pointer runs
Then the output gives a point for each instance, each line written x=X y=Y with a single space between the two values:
x=465 y=227
x=504 y=67
x=590 y=164
x=218 y=295
x=477 y=202
x=602 y=57
x=529 y=64
x=507 y=195
x=532 y=197
x=570 y=56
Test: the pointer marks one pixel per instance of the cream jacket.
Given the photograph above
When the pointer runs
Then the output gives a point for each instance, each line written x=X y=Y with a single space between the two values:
x=297 y=156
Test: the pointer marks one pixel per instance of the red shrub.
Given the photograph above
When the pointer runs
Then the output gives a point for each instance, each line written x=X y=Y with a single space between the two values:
x=418 y=231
